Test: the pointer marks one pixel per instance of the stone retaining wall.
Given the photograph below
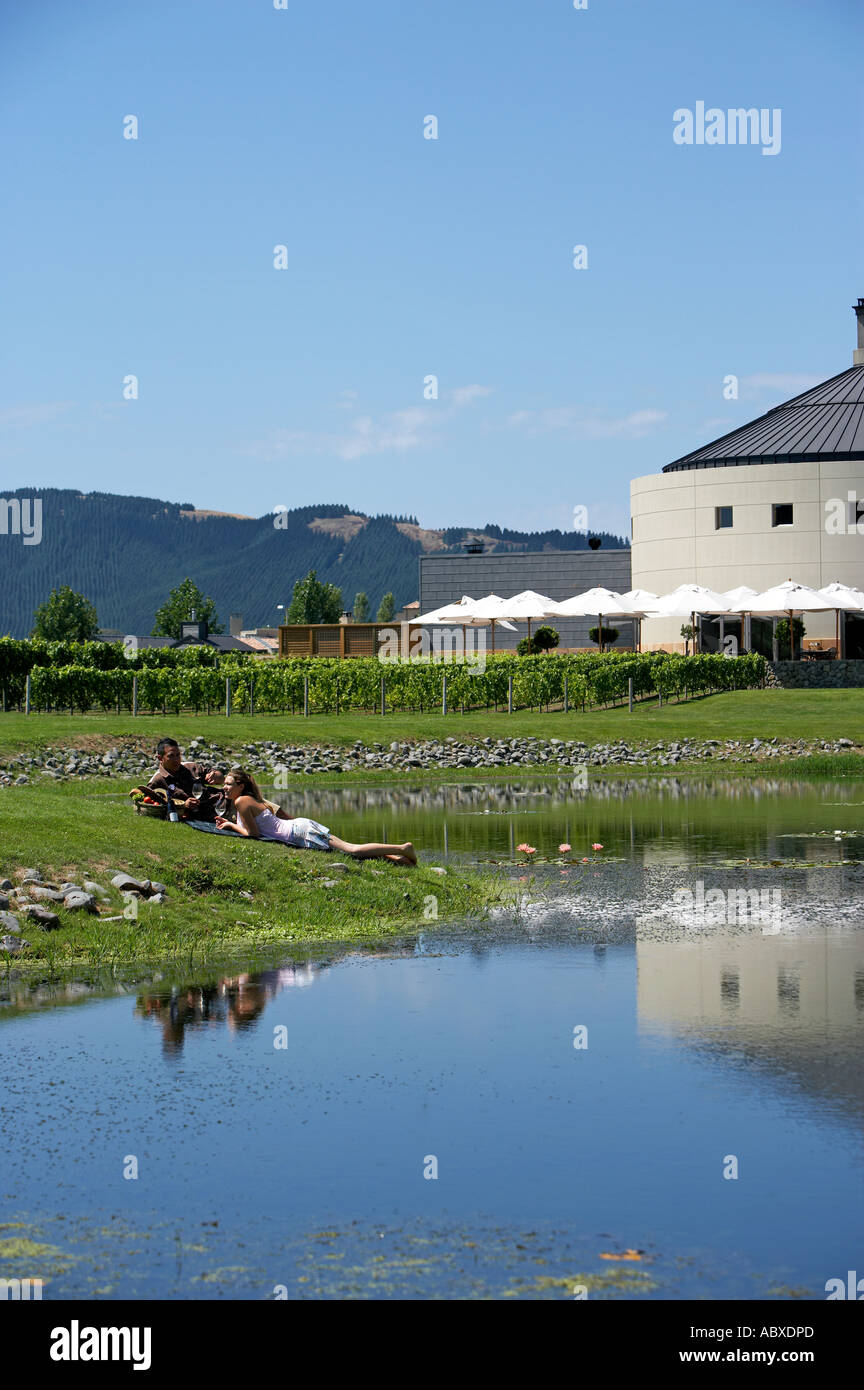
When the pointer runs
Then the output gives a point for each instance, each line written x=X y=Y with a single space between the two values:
x=815 y=675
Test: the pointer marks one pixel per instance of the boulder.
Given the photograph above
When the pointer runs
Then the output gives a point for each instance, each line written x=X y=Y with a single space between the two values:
x=13 y=944
x=79 y=902
x=126 y=884
x=48 y=921
x=9 y=923
x=48 y=895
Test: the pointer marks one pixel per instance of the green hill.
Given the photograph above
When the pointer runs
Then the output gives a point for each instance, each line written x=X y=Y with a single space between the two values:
x=125 y=553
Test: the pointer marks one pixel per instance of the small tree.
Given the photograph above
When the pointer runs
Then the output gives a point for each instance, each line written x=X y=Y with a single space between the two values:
x=65 y=617
x=314 y=602
x=525 y=647
x=688 y=632
x=178 y=607
x=798 y=631
x=607 y=638
x=386 y=609
x=362 y=607
x=545 y=638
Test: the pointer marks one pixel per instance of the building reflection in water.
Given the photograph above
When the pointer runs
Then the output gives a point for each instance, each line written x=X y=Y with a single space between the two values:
x=791 y=1004
x=657 y=818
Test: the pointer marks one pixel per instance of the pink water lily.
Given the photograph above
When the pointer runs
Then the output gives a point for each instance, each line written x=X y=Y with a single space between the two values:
x=564 y=849
x=527 y=849
x=596 y=846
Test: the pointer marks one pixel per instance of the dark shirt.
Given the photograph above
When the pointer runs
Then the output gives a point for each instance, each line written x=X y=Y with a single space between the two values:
x=211 y=802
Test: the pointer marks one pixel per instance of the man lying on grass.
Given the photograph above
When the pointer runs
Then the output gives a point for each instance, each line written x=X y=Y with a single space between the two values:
x=185 y=783
x=257 y=819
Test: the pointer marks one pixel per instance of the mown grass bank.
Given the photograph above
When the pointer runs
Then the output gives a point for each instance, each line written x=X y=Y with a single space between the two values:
x=743 y=714
x=225 y=894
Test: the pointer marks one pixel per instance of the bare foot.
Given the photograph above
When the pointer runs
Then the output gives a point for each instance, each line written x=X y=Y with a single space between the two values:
x=409 y=852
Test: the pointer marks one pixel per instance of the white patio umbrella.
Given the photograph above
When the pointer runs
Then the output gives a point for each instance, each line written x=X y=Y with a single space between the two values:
x=737 y=598
x=458 y=613
x=844 y=598
x=492 y=609
x=597 y=601
x=644 y=598
x=529 y=605
x=738 y=601
x=468 y=612
x=641 y=603
x=788 y=598
x=450 y=611
x=688 y=600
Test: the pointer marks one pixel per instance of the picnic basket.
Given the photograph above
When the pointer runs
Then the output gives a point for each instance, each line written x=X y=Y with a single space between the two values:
x=150 y=801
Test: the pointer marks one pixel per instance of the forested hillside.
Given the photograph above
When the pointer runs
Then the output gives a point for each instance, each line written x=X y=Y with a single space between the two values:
x=125 y=553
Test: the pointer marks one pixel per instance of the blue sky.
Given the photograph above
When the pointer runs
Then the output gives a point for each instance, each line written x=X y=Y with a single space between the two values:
x=407 y=257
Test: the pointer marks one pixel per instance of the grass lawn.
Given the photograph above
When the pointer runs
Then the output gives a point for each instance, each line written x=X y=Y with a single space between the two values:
x=744 y=714
x=88 y=830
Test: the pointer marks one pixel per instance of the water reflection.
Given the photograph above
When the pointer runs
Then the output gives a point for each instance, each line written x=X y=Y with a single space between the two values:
x=792 y=1006
x=235 y=1002
x=661 y=821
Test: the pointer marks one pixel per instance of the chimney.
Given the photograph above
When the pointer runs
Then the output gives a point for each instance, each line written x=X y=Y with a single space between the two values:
x=235 y=624
x=858 y=354
x=193 y=630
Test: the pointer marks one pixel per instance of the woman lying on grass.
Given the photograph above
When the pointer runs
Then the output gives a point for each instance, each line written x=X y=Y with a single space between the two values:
x=259 y=820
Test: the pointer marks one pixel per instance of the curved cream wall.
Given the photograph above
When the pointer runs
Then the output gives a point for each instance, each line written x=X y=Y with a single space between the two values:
x=675 y=540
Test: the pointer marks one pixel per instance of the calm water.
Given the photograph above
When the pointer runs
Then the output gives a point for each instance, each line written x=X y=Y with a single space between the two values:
x=669 y=820
x=303 y=1165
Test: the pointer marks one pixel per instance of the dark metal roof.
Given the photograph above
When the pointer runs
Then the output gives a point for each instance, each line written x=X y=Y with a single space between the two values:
x=826 y=422
x=222 y=643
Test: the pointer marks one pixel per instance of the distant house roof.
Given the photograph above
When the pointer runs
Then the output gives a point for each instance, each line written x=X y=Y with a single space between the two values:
x=221 y=643
x=269 y=645
x=824 y=423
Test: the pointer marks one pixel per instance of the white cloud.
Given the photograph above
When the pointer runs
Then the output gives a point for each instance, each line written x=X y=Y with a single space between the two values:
x=467 y=395
x=25 y=416
x=402 y=429
x=579 y=422
x=410 y=428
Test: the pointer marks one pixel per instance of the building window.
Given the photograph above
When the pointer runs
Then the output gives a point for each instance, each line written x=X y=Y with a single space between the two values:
x=722 y=518
x=781 y=514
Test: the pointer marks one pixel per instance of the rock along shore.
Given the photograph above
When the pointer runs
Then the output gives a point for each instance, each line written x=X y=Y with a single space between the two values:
x=276 y=763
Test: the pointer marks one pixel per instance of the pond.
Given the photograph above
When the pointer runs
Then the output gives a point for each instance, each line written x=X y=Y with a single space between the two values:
x=639 y=1085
